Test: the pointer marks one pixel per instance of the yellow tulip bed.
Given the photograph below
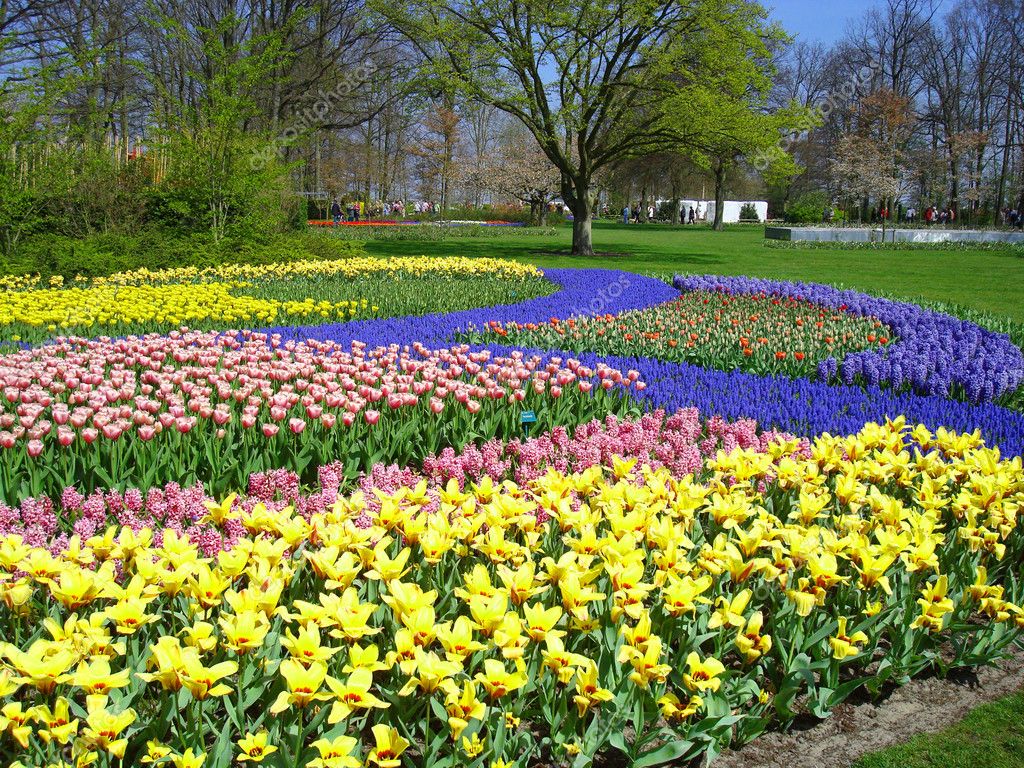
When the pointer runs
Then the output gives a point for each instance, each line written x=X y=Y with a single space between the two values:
x=352 y=268
x=194 y=304
x=619 y=609
x=245 y=295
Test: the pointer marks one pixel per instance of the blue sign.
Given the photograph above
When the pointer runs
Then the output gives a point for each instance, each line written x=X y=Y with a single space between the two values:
x=528 y=417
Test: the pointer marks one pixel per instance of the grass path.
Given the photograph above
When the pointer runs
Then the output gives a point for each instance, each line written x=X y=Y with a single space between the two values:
x=992 y=736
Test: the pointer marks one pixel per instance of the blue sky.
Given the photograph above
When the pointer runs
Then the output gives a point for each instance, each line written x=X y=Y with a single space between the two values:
x=822 y=20
x=814 y=20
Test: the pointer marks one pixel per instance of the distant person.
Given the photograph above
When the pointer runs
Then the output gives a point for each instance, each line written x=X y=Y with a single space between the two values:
x=336 y=211
x=650 y=213
x=625 y=214
x=693 y=215
x=929 y=214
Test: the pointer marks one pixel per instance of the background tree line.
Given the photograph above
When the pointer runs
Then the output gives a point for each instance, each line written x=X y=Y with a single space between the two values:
x=224 y=118
x=939 y=122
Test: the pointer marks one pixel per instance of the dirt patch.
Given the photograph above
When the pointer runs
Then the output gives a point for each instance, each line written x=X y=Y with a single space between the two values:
x=921 y=706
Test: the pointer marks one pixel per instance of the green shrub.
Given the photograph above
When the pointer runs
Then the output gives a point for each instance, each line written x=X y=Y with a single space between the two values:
x=807 y=209
x=106 y=253
x=748 y=212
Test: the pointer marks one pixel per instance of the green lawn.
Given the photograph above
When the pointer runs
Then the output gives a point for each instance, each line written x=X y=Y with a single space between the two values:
x=986 y=280
x=992 y=736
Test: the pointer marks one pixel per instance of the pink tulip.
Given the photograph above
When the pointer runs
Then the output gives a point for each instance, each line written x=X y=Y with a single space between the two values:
x=269 y=430
x=473 y=406
x=348 y=418
x=585 y=386
x=147 y=433
x=35 y=448
x=328 y=420
x=436 y=404
x=90 y=435
x=296 y=426
x=372 y=417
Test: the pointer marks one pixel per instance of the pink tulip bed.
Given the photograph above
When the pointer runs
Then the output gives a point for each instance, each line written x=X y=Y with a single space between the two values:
x=216 y=408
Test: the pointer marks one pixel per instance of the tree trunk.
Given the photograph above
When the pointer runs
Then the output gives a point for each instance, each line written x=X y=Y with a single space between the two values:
x=582 y=243
x=542 y=214
x=576 y=194
x=674 y=213
x=719 y=224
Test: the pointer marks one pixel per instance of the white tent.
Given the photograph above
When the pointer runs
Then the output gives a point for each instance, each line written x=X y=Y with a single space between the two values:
x=731 y=210
x=704 y=210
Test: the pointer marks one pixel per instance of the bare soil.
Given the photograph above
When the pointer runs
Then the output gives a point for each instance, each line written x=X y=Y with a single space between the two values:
x=922 y=706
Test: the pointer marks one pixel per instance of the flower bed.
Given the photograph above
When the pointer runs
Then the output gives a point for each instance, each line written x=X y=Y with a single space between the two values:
x=215 y=408
x=680 y=443
x=801 y=406
x=614 y=610
x=328 y=544
x=235 y=295
x=580 y=292
x=934 y=353
x=757 y=333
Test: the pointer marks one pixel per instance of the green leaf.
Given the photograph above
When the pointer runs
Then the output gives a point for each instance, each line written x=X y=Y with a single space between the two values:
x=666 y=753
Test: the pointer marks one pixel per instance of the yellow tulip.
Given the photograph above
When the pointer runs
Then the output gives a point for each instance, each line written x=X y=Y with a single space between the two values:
x=353 y=694
x=304 y=684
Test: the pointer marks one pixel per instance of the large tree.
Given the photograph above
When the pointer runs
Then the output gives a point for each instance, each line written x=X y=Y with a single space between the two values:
x=727 y=116
x=589 y=80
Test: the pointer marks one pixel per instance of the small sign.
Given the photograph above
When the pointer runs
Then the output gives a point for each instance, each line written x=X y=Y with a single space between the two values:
x=528 y=417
